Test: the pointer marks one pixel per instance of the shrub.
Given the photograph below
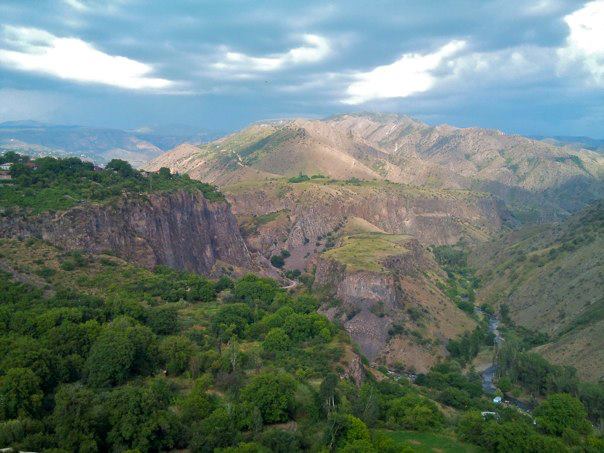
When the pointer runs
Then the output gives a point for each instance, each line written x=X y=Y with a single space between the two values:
x=277 y=261
x=176 y=352
x=276 y=340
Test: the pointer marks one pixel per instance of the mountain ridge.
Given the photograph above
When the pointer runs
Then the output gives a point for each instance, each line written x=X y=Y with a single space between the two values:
x=528 y=174
x=98 y=144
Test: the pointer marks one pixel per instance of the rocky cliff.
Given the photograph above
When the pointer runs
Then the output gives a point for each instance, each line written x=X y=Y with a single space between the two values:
x=388 y=301
x=299 y=217
x=180 y=229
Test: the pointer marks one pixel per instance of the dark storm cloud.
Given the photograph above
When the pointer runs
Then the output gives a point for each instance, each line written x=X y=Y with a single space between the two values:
x=505 y=64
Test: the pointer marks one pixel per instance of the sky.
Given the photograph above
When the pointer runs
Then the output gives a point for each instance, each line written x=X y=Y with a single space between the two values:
x=520 y=66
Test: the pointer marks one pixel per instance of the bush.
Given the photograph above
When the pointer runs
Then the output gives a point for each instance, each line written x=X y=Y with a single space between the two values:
x=276 y=340
x=277 y=261
x=124 y=349
x=176 y=352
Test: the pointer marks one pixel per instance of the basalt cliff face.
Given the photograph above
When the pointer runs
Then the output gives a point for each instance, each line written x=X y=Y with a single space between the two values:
x=180 y=229
x=391 y=307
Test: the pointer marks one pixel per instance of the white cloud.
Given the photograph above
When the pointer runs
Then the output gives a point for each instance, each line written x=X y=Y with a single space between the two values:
x=412 y=73
x=515 y=65
x=585 y=42
x=76 y=4
x=35 y=50
x=316 y=48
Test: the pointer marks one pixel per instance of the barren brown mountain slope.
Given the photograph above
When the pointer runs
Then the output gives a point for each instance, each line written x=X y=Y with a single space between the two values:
x=538 y=179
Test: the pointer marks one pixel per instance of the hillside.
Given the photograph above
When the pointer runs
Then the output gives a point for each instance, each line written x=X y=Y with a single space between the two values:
x=537 y=179
x=105 y=348
x=551 y=279
x=385 y=290
x=102 y=355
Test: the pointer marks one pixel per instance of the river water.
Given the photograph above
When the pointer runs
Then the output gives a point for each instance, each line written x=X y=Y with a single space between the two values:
x=488 y=375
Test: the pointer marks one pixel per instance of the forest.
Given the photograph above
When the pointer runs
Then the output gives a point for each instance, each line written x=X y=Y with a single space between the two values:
x=106 y=356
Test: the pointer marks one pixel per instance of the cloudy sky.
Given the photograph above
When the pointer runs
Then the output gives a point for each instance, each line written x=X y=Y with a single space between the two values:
x=530 y=67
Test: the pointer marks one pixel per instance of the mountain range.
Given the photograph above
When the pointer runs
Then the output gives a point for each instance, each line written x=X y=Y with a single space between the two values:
x=535 y=178
x=99 y=145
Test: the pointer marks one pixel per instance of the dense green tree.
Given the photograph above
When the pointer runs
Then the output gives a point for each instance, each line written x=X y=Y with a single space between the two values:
x=123 y=349
x=414 y=412
x=277 y=261
x=217 y=430
x=176 y=352
x=231 y=320
x=27 y=352
x=561 y=412
x=273 y=394
x=139 y=418
x=280 y=441
x=20 y=393
x=592 y=397
x=77 y=418
x=163 y=320
x=122 y=167
x=22 y=432
x=276 y=340
x=251 y=288
x=346 y=429
x=198 y=403
x=164 y=172
x=72 y=337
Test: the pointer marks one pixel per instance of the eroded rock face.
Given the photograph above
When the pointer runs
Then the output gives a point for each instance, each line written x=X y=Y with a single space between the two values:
x=311 y=212
x=180 y=229
x=397 y=316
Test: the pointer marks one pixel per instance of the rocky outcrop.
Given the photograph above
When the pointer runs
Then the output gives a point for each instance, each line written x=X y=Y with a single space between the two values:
x=179 y=229
x=397 y=316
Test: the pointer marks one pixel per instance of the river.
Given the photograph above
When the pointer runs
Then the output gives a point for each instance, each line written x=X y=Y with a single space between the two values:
x=488 y=375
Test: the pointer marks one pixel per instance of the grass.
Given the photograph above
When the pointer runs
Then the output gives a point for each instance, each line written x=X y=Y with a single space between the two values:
x=357 y=225
x=430 y=442
x=250 y=224
x=366 y=251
